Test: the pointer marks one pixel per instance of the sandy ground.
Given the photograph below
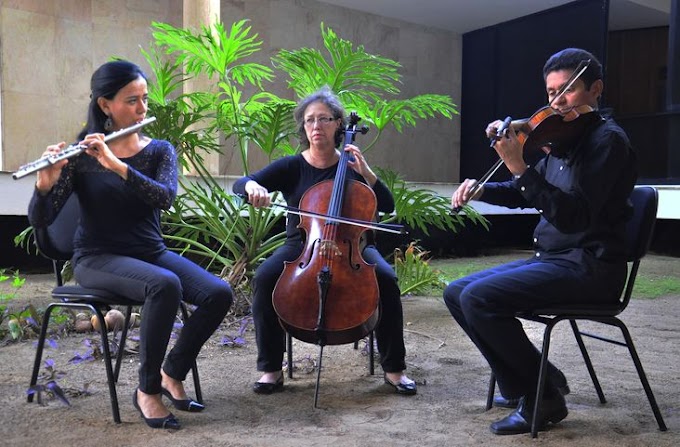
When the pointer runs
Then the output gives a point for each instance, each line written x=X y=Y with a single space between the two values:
x=355 y=408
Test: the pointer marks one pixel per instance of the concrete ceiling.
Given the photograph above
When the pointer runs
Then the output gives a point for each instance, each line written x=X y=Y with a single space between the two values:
x=461 y=16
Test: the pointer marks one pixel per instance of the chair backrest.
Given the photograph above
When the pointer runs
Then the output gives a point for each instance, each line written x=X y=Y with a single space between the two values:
x=640 y=227
x=56 y=240
x=639 y=231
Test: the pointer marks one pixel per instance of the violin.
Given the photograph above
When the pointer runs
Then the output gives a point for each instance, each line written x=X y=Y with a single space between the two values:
x=329 y=294
x=552 y=132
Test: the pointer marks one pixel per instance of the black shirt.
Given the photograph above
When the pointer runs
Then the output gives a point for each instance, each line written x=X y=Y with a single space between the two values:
x=582 y=198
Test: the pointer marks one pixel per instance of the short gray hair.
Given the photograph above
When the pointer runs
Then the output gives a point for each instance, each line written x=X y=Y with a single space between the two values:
x=325 y=96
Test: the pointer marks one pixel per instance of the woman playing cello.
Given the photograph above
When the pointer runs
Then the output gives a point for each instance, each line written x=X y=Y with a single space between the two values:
x=320 y=118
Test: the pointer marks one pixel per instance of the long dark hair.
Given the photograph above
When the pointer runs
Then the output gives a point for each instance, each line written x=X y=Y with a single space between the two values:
x=325 y=96
x=106 y=81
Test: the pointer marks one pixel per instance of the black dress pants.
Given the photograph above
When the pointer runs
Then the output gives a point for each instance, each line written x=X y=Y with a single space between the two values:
x=485 y=304
x=160 y=282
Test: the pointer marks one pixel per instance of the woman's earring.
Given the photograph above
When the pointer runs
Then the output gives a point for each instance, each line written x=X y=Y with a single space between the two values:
x=108 y=124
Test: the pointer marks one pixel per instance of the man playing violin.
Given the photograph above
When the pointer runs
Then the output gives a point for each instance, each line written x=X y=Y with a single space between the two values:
x=581 y=195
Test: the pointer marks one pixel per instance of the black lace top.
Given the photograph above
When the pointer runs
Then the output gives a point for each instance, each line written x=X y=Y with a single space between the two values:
x=117 y=216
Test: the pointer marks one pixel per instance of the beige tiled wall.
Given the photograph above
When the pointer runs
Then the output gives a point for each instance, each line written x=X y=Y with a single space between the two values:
x=50 y=48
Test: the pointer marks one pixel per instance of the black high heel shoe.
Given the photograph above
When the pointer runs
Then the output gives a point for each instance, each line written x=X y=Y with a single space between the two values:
x=407 y=389
x=189 y=405
x=169 y=422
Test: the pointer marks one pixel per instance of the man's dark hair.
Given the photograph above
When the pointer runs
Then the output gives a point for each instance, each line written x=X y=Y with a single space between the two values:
x=568 y=59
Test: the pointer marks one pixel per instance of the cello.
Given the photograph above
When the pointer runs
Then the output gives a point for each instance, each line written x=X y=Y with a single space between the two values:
x=329 y=294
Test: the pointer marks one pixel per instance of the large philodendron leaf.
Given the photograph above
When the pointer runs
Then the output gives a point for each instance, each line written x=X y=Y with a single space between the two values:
x=349 y=69
x=421 y=208
x=365 y=83
x=214 y=52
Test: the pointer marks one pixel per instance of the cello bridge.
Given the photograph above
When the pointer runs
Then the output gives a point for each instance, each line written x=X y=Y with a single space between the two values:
x=329 y=248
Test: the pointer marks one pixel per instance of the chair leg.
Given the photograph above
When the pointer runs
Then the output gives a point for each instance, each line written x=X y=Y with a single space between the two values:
x=289 y=354
x=194 y=366
x=40 y=347
x=371 y=352
x=542 y=374
x=589 y=363
x=121 y=344
x=197 y=383
x=108 y=363
x=491 y=392
x=641 y=374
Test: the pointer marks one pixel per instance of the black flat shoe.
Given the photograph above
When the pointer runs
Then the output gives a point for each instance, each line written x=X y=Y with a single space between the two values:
x=169 y=422
x=189 y=405
x=519 y=421
x=268 y=388
x=407 y=389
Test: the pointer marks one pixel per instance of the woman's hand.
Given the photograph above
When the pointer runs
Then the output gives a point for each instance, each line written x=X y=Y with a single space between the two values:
x=97 y=148
x=462 y=194
x=258 y=196
x=48 y=177
x=360 y=166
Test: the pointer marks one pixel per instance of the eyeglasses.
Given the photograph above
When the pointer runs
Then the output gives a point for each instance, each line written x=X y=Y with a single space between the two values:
x=322 y=120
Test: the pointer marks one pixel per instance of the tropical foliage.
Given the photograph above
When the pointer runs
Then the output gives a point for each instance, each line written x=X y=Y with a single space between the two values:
x=211 y=225
x=414 y=272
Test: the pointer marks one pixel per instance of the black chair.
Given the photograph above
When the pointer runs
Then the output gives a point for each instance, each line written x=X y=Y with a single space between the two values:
x=638 y=237
x=56 y=243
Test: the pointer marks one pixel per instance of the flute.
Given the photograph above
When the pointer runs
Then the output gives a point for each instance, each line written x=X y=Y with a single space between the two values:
x=74 y=149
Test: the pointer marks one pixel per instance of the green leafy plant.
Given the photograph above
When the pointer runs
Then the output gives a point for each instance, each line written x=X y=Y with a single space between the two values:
x=228 y=236
x=422 y=208
x=14 y=319
x=414 y=272
x=364 y=82
x=206 y=223
x=220 y=55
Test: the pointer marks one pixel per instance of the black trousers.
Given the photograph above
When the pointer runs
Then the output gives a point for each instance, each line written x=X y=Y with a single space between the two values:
x=270 y=335
x=160 y=282
x=485 y=303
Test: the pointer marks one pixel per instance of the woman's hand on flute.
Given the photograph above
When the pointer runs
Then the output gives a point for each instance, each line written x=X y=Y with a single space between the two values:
x=47 y=178
x=97 y=148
